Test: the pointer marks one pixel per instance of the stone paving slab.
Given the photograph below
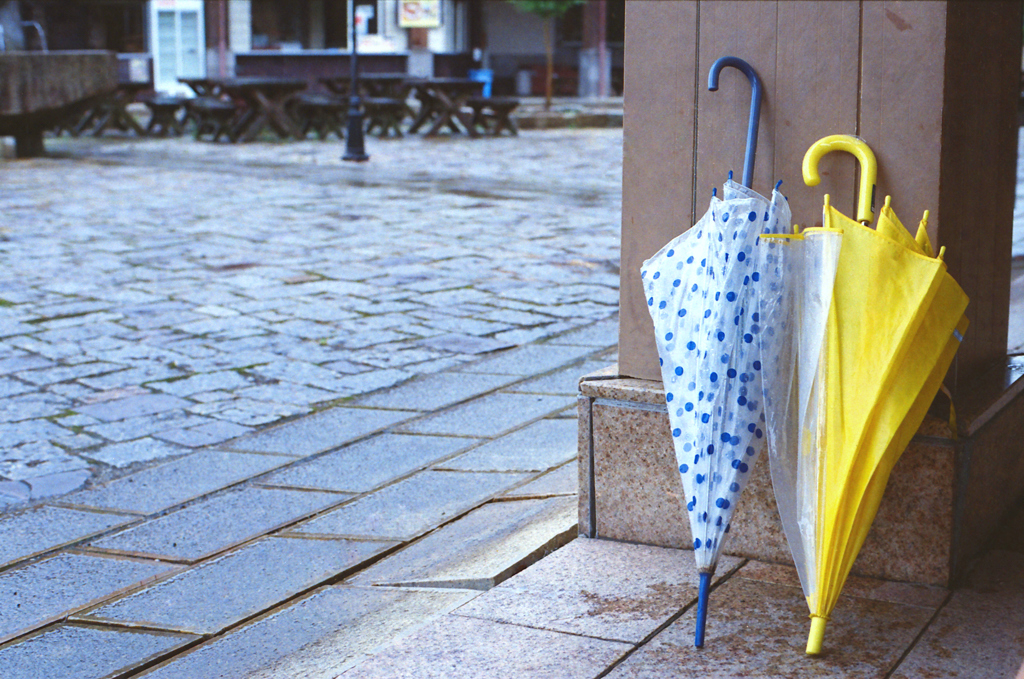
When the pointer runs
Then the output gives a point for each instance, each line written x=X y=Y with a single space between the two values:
x=911 y=594
x=86 y=652
x=435 y=391
x=42 y=529
x=133 y=406
x=408 y=508
x=217 y=523
x=174 y=483
x=977 y=634
x=367 y=464
x=321 y=431
x=316 y=638
x=537 y=447
x=562 y=481
x=455 y=647
x=49 y=590
x=980 y=632
x=47 y=485
x=601 y=334
x=482 y=549
x=245 y=323
x=600 y=589
x=231 y=588
x=489 y=416
x=565 y=382
x=130 y=452
x=529 y=360
x=759 y=629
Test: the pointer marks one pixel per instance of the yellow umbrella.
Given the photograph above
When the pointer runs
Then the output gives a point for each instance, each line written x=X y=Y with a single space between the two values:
x=862 y=371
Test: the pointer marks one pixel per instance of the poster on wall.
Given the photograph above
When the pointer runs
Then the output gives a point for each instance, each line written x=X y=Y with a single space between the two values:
x=419 y=13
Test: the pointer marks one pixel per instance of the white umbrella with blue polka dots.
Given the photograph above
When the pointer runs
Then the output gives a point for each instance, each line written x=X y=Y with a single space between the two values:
x=702 y=292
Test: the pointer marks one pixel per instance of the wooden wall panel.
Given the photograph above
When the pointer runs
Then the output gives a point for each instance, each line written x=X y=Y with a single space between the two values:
x=657 y=183
x=901 y=102
x=931 y=86
x=746 y=30
x=815 y=95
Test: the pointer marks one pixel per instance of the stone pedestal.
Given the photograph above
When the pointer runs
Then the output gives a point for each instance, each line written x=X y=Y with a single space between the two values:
x=943 y=502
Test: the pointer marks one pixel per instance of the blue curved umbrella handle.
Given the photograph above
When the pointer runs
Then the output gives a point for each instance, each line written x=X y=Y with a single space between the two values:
x=755 y=107
x=702 y=609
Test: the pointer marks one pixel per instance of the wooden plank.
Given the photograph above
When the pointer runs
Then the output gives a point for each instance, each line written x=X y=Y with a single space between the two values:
x=657 y=183
x=902 y=66
x=816 y=92
x=978 y=171
x=746 y=30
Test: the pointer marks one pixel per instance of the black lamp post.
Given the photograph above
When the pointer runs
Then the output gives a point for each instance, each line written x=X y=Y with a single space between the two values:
x=355 y=147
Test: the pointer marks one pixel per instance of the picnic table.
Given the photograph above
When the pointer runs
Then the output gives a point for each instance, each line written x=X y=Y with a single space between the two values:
x=372 y=85
x=111 y=112
x=264 y=101
x=203 y=87
x=443 y=103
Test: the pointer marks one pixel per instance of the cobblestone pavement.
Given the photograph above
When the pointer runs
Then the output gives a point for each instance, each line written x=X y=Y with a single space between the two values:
x=161 y=296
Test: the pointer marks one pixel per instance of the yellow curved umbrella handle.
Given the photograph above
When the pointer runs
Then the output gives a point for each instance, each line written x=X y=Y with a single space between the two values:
x=868 y=169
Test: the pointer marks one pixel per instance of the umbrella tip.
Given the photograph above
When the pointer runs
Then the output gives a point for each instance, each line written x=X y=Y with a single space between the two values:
x=778 y=184
x=730 y=175
x=816 y=636
x=714 y=192
x=703 y=589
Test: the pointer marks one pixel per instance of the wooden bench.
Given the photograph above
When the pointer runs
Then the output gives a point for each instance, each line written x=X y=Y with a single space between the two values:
x=322 y=113
x=164 y=119
x=214 y=117
x=491 y=115
x=385 y=115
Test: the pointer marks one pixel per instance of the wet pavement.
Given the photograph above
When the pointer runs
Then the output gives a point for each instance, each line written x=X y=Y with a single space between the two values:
x=160 y=296
x=253 y=393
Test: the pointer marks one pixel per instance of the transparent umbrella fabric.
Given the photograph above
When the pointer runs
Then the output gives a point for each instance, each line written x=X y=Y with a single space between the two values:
x=702 y=292
x=798 y=276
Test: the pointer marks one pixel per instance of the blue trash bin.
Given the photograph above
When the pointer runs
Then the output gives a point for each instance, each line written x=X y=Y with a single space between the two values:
x=485 y=76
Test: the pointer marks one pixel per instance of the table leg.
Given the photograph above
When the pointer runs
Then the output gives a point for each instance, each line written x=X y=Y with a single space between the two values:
x=278 y=117
x=428 y=109
x=125 y=120
x=453 y=116
x=249 y=124
x=445 y=111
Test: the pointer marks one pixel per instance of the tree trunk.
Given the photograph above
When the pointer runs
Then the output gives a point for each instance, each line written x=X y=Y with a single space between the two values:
x=550 y=49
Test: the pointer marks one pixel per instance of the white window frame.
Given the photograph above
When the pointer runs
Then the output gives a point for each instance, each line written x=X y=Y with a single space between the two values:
x=176 y=6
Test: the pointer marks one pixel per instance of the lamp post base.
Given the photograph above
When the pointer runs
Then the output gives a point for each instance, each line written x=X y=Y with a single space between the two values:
x=355 y=145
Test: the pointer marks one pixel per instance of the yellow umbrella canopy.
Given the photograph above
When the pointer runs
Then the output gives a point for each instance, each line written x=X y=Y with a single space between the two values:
x=866 y=363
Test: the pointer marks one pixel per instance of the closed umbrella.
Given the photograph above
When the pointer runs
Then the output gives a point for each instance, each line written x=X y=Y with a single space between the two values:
x=701 y=292
x=870 y=321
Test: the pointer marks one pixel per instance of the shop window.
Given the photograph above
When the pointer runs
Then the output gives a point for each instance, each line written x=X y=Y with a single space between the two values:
x=280 y=24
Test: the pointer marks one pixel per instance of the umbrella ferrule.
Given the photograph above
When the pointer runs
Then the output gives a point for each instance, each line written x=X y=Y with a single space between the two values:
x=817 y=634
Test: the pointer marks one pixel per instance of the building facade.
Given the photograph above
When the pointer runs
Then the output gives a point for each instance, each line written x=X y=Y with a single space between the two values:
x=215 y=38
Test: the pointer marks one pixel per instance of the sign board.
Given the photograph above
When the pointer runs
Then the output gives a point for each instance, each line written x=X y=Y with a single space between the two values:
x=419 y=13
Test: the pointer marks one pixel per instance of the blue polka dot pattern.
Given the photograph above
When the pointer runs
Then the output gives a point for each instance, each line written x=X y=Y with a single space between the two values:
x=707 y=332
